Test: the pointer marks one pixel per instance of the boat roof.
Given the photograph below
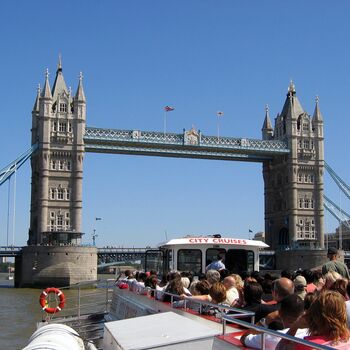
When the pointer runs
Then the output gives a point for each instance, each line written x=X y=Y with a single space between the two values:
x=210 y=240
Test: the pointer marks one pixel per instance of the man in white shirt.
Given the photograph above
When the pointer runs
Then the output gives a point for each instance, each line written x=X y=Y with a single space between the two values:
x=232 y=294
x=291 y=308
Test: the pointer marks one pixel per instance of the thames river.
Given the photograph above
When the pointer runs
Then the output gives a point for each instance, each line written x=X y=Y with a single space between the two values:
x=20 y=310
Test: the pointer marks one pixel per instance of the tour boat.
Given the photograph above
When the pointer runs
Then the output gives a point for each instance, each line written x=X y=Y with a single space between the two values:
x=115 y=317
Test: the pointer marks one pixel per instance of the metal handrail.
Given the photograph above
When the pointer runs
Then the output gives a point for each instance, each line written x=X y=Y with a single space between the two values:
x=80 y=306
x=223 y=309
x=265 y=331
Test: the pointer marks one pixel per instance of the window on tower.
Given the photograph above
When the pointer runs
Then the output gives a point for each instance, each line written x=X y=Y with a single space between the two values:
x=63 y=107
x=62 y=127
x=60 y=193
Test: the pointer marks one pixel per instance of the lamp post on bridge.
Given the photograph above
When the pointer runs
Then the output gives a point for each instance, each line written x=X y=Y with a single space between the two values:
x=94 y=235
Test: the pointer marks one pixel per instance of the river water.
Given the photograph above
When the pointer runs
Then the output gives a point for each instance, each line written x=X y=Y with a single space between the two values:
x=20 y=311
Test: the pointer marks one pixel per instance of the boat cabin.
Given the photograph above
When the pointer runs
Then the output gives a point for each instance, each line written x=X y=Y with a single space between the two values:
x=194 y=254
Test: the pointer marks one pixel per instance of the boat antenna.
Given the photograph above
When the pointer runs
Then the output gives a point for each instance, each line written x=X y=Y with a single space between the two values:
x=166 y=235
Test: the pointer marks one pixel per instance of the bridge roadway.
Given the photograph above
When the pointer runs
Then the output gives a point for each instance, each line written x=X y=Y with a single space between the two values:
x=105 y=254
x=189 y=144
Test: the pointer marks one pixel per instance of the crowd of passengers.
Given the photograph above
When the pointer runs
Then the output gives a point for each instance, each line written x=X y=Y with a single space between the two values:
x=309 y=304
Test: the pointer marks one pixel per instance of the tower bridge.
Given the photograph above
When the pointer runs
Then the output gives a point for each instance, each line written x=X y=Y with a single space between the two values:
x=291 y=153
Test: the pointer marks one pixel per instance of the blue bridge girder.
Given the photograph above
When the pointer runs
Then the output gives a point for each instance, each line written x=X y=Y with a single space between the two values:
x=11 y=168
x=181 y=145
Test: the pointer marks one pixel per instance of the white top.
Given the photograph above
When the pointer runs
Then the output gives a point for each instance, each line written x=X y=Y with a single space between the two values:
x=159 y=330
x=213 y=240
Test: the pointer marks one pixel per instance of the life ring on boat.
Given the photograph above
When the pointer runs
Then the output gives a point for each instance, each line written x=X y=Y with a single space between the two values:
x=44 y=302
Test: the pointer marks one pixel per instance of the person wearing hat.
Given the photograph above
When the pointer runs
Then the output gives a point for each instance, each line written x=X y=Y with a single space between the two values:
x=334 y=264
x=300 y=285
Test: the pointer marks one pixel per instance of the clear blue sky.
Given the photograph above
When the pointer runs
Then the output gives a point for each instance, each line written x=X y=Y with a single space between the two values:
x=199 y=56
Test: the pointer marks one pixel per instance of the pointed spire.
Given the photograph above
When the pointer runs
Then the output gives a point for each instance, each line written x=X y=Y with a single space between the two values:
x=317 y=113
x=59 y=65
x=59 y=86
x=291 y=88
x=80 y=95
x=36 y=103
x=267 y=122
x=46 y=92
x=292 y=107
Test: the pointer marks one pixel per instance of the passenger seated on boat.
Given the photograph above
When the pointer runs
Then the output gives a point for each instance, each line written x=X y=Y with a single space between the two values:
x=291 y=308
x=131 y=280
x=176 y=287
x=319 y=280
x=252 y=296
x=200 y=287
x=327 y=323
x=240 y=286
x=152 y=283
x=232 y=295
x=282 y=288
x=139 y=285
x=185 y=282
x=266 y=285
x=212 y=276
x=216 y=295
x=300 y=286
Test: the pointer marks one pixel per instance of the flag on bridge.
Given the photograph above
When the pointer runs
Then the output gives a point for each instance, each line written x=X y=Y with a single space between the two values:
x=168 y=108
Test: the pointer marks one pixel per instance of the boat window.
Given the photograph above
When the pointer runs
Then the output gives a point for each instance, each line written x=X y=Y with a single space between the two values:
x=154 y=260
x=239 y=260
x=169 y=260
x=189 y=260
x=212 y=254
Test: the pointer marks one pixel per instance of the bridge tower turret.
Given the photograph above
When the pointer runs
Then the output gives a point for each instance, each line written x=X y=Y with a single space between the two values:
x=58 y=125
x=294 y=183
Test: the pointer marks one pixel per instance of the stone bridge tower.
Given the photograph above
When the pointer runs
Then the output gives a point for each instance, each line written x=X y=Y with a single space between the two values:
x=54 y=254
x=58 y=126
x=294 y=185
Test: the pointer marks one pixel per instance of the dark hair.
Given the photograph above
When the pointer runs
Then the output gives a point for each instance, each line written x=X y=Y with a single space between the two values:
x=309 y=299
x=252 y=293
x=224 y=273
x=309 y=276
x=172 y=275
x=142 y=276
x=267 y=286
x=292 y=306
x=287 y=274
x=202 y=287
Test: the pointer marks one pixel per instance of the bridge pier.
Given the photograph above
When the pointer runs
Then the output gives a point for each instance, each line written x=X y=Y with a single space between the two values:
x=55 y=266
x=300 y=259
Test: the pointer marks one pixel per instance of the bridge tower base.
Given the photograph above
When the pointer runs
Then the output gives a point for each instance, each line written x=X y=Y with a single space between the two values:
x=58 y=266
x=300 y=259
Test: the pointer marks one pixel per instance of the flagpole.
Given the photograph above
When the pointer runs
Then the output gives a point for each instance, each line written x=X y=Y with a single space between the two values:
x=218 y=115
x=164 y=122
x=218 y=127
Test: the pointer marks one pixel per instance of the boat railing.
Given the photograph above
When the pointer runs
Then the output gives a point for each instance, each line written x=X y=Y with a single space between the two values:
x=264 y=331
x=230 y=315
x=84 y=298
x=188 y=302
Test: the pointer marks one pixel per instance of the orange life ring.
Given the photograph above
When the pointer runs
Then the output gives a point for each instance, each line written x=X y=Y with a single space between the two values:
x=44 y=303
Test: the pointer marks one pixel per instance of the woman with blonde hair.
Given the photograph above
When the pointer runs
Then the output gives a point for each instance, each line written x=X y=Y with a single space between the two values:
x=330 y=277
x=327 y=322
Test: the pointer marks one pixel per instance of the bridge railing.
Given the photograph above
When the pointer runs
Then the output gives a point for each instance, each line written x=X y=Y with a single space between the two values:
x=153 y=137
